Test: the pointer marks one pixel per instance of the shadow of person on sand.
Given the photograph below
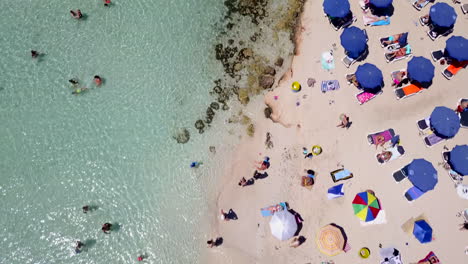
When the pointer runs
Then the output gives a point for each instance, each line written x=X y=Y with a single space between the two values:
x=257 y=175
x=299 y=221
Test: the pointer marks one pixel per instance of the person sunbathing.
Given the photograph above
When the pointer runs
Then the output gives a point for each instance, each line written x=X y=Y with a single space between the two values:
x=398 y=78
x=384 y=156
x=297 y=241
x=392 y=39
x=425 y=19
x=274 y=208
x=351 y=78
x=462 y=107
x=344 y=121
x=373 y=18
x=265 y=164
x=307 y=181
x=420 y=3
x=398 y=53
x=379 y=140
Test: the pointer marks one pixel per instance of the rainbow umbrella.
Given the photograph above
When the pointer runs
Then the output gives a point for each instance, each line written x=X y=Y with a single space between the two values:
x=331 y=239
x=366 y=206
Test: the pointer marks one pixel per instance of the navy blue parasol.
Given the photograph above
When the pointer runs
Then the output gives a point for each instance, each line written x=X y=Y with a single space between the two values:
x=459 y=159
x=445 y=122
x=369 y=76
x=457 y=48
x=420 y=70
x=336 y=8
x=422 y=174
x=443 y=15
x=354 y=41
x=381 y=3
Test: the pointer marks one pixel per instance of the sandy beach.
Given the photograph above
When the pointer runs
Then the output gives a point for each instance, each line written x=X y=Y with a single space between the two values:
x=309 y=118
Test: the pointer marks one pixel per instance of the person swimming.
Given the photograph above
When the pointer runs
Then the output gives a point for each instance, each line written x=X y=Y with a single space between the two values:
x=79 y=247
x=97 y=80
x=76 y=14
x=34 y=54
x=107 y=3
x=106 y=228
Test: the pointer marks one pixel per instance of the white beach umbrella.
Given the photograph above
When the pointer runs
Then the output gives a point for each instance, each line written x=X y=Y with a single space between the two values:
x=283 y=225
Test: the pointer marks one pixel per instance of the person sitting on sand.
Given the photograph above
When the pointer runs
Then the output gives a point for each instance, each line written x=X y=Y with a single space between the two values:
x=399 y=53
x=243 y=182
x=297 y=241
x=224 y=216
x=351 y=78
x=384 y=156
x=265 y=164
x=425 y=19
x=76 y=14
x=398 y=78
x=97 y=80
x=344 y=121
x=462 y=107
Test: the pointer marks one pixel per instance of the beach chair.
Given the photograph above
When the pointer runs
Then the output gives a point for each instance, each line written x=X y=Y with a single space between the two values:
x=464 y=119
x=435 y=35
x=453 y=69
x=432 y=139
x=394 y=58
x=369 y=21
x=408 y=90
x=394 y=45
x=400 y=175
x=387 y=134
x=270 y=210
x=396 y=151
x=464 y=8
x=347 y=61
x=424 y=124
x=341 y=174
x=437 y=55
x=413 y=193
x=330 y=85
x=364 y=97
x=420 y=6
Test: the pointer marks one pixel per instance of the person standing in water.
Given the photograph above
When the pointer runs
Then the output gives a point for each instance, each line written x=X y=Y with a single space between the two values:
x=34 y=54
x=79 y=247
x=97 y=80
x=106 y=228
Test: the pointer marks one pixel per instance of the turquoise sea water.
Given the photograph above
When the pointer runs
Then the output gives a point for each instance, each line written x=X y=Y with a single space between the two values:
x=111 y=146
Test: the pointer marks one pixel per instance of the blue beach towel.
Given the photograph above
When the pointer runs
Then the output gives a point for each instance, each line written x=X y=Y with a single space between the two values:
x=329 y=85
x=335 y=191
x=265 y=212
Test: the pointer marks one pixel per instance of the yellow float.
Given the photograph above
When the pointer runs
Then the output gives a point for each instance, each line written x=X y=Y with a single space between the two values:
x=296 y=86
x=316 y=150
x=364 y=252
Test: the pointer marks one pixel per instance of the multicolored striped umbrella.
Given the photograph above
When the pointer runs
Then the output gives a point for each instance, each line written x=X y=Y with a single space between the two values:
x=366 y=206
x=331 y=240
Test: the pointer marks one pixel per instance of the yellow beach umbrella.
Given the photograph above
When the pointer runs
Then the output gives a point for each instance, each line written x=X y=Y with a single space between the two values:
x=331 y=240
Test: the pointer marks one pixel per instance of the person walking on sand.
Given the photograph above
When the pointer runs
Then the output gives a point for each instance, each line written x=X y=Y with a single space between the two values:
x=106 y=228
x=344 y=121
x=265 y=164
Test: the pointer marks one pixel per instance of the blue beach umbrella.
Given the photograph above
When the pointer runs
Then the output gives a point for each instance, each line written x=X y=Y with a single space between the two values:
x=459 y=159
x=445 y=122
x=420 y=70
x=457 y=48
x=422 y=231
x=336 y=8
x=381 y=3
x=442 y=15
x=422 y=174
x=354 y=41
x=369 y=76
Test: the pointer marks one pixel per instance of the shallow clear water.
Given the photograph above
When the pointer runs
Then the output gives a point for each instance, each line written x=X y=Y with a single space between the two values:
x=111 y=146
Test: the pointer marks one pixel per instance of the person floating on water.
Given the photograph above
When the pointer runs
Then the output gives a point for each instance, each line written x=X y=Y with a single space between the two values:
x=141 y=258
x=85 y=209
x=195 y=164
x=76 y=14
x=106 y=228
x=34 y=54
x=97 y=80
x=79 y=247
x=107 y=3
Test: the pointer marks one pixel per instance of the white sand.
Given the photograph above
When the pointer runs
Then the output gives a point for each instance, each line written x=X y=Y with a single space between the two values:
x=248 y=240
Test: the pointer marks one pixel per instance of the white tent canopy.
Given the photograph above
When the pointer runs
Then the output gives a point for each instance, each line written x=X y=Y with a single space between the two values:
x=283 y=225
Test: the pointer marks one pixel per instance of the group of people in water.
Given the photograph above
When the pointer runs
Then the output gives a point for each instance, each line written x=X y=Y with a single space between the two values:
x=78 y=90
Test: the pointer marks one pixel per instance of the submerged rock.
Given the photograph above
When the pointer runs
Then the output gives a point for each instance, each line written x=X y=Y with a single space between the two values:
x=212 y=149
x=182 y=136
x=199 y=124
x=279 y=62
x=266 y=81
x=269 y=70
x=214 y=105
x=243 y=96
x=268 y=111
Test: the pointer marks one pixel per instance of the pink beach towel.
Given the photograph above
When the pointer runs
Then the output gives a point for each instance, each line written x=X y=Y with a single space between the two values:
x=364 y=97
x=431 y=257
x=386 y=134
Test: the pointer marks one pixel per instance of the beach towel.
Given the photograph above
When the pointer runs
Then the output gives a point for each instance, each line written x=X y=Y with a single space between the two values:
x=397 y=151
x=364 y=97
x=432 y=140
x=431 y=257
x=462 y=191
x=335 y=191
x=369 y=20
x=267 y=211
x=327 y=60
x=341 y=174
x=329 y=85
x=413 y=193
x=387 y=134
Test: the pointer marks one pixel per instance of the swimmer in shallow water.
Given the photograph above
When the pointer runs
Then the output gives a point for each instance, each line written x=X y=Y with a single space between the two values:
x=97 y=80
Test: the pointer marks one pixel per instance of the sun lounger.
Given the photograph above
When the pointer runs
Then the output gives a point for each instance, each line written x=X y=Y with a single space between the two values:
x=464 y=119
x=369 y=21
x=341 y=174
x=400 y=175
x=432 y=140
x=270 y=210
x=464 y=8
x=330 y=85
x=394 y=58
x=347 y=61
x=387 y=134
x=452 y=70
x=435 y=35
x=437 y=55
x=413 y=193
x=364 y=97
x=396 y=151
x=420 y=6
x=424 y=124
x=339 y=23
x=408 y=90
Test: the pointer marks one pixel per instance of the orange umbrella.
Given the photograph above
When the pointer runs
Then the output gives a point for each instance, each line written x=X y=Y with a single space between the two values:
x=331 y=240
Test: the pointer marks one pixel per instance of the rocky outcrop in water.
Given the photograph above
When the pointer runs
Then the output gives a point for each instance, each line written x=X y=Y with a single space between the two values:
x=266 y=81
x=182 y=135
